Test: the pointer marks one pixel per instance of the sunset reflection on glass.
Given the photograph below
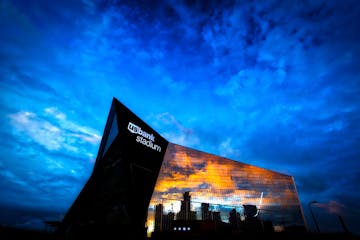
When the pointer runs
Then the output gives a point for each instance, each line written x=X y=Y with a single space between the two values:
x=225 y=185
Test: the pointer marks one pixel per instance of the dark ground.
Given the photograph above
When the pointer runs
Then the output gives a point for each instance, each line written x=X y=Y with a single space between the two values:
x=13 y=233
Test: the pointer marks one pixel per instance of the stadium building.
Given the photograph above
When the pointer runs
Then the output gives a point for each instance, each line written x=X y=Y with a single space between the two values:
x=142 y=185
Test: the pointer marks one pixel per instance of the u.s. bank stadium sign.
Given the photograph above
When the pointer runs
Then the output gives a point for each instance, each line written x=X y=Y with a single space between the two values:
x=143 y=137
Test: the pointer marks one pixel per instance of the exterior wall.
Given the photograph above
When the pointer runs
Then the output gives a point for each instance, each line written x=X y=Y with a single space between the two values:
x=225 y=185
x=115 y=199
x=136 y=170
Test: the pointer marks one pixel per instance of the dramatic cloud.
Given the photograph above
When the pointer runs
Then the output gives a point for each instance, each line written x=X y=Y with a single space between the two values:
x=52 y=154
x=55 y=133
x=274 y=84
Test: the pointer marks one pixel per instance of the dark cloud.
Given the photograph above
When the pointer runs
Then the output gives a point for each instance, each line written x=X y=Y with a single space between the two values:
x=204 y=186
x=30 y=218
x=200 y=166
x=174 y=190
x=186 y=171
x=17 y=80
x=274 y=84
x=40 y=188
x=312 y=183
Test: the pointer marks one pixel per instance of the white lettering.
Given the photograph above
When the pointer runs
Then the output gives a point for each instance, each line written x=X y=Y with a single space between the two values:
x=143 y=136
x=137 y=130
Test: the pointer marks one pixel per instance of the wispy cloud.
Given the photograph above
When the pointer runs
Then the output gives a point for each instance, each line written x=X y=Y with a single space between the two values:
x=332 y=207
x=52 y=130
x=41 y=132
x=226 y=148
x=55 y=156
x=174 y=131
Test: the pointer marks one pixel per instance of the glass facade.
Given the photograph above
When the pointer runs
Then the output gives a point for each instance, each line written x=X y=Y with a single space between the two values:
x=194 y=185
x=142 y=184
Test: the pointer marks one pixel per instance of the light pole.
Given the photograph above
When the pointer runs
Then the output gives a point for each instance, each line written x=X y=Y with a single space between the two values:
x=313 y=216
x=343 y=224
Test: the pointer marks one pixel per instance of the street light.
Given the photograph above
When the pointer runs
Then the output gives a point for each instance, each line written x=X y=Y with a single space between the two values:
x=313 y=216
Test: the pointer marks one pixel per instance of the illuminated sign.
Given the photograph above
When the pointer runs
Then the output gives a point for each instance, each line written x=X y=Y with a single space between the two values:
x=144 y=138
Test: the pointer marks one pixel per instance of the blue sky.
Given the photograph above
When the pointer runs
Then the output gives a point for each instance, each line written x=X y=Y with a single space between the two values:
x=275 y=84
